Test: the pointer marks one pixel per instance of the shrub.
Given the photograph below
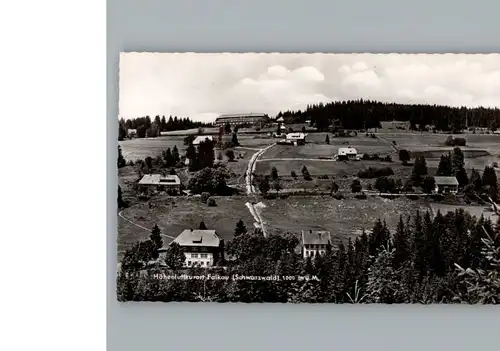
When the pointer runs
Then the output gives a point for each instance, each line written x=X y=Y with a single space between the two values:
x=293 y=174
x=412 y=197
x=324 y=176
x=451 y=141
x=230 y=155
x=338 y=196
x=356 y=186
x=372 y=172
x=211 y=202
x=388 y=158
x=361 y=196
x=204 y=197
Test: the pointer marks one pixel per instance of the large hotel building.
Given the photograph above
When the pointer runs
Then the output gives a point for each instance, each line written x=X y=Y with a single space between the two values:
x=237 y=119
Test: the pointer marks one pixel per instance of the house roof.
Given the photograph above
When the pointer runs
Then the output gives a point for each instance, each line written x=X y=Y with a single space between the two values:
x=158 y=179
x=197 y=237
x=347 y=150
x=281 y=119
x=131 y=130
x=201 y=138
x=295 y=136
x=446 y=181
x=251 y=114
x=310 y=237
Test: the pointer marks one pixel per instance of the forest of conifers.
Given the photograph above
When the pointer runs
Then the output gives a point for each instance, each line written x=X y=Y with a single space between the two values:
x=360 y=114
x=451 y=258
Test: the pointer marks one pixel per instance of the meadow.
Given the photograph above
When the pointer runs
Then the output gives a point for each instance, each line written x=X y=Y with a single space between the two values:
x=343 y=218
x=174 y=214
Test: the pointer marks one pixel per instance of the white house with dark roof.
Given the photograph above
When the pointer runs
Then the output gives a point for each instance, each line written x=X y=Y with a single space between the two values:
x=347 y=153
x=160 y=182
x=446 y=185
x=315 y=242
x=203 y=248
x=296 y=138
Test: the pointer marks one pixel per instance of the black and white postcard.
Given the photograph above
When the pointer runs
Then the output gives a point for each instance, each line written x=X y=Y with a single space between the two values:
x=309 y=178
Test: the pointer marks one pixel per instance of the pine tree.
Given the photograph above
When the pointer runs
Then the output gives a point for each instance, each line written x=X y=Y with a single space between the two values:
x=274 y=173
x=458 y=160
x=327 y=139
x=490 y=181
x=419 y=246
x=445 y=167
x=169 y=162
x=419 y=169
x=121 y=203
x=202 y=226
x=462 y=177
x=175 y=155
x=475 y=180
x=234 y=140
x=121 y=159
x=378 y=238
x=240 y=228
x=401 y=245
x=156 y=237
x=383 y=285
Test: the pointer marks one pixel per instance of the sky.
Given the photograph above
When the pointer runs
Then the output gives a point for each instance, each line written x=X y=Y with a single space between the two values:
x=203 y=86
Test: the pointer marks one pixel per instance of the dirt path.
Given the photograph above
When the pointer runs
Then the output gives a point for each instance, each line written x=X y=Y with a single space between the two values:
x=251 y=169
x=140 y=226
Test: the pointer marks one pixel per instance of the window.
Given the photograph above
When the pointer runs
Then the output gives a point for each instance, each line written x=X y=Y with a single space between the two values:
x=189 y=263
x=203 y=255
x=194 y=255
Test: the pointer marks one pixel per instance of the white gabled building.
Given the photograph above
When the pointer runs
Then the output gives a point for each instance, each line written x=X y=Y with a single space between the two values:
x=296 y=138
x=315 y=242
x=347 y=153
x=202 y=248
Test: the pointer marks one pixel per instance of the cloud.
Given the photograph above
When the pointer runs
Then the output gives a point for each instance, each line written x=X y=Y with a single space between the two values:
x=205 y=85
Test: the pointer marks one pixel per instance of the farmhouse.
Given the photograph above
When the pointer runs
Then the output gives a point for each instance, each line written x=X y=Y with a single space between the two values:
x=160 y=182
x=201 y=138
x=296 y=138
x=347 y=153
x=202 y=248
x=131 y=133
x=315 y=242
x=446 y=185
x=246 y=118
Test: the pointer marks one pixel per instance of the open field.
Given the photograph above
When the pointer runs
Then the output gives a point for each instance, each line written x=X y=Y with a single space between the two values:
x=477 y=211
x=344 y=218
x=481 y=149
x=174 y=214
x=312 y=150
x=140 y=148
x=322 y=167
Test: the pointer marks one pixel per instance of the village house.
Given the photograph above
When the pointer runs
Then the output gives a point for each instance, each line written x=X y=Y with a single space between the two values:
x=201 y=138
x=202 y=248
x=131 y=133
x=296 y=138
x=315 y=243
x=160 y=182
x=446 y=185
x=347 y=153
